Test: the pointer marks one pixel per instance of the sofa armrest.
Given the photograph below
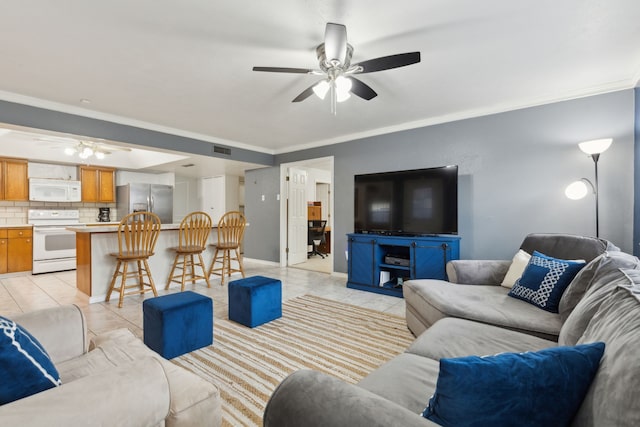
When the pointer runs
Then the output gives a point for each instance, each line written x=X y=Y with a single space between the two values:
x=62 y=330
x=313 y=399
x=477 y=272
x=133 y=395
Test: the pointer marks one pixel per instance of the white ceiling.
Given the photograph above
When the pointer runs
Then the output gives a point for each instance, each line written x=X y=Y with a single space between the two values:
x=185 y=67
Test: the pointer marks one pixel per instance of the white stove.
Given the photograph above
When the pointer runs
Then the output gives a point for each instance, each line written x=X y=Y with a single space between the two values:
x=54 y=247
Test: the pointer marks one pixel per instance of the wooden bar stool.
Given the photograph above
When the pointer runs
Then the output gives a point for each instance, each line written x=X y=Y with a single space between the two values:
x=137 y=236
x=230 y=233
x=192 y=241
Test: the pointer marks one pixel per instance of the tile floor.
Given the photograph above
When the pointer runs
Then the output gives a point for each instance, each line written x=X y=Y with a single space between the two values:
x=26 y=292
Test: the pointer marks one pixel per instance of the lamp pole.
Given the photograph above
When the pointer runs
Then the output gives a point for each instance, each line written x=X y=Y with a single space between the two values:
x=596 y=157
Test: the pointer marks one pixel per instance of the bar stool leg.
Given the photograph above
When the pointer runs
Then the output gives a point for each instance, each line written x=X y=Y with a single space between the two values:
x=173 y=269
x=113 y=281
x=148 y=271
x=204 y=272
x=125 y=268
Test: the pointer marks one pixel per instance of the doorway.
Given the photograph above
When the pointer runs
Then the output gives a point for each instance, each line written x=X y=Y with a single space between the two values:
x=317 y=175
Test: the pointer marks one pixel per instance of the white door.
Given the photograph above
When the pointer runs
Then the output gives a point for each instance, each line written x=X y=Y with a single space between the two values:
x=297 y=217
x=212 y=192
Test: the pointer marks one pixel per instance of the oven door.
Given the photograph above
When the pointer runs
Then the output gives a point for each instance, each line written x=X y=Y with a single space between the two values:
x=53 y=243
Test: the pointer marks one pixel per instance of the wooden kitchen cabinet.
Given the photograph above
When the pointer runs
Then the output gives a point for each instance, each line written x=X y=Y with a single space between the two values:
x=14 y=183
x=98 y=184
x=16 y=249
x=3 y=251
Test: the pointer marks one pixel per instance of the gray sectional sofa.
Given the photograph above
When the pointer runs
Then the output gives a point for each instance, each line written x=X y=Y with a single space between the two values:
x=114 y=380
x=602 y=303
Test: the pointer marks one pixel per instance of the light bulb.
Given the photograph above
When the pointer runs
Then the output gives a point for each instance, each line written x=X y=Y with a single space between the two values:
x=321 y=89
x=87 y=152
x=99 y=155
x=69 y=151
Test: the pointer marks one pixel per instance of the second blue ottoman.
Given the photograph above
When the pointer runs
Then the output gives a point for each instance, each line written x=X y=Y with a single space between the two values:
x=176 y=324
x=255 y=300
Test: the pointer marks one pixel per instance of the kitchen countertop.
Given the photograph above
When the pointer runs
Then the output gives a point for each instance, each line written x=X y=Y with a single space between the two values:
x=16 y=225
x=114 y=228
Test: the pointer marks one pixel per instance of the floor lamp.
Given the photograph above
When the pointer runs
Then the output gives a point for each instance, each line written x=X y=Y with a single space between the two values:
x=578 y=190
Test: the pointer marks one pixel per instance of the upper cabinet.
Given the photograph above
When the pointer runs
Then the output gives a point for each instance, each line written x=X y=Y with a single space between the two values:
x=14 y=184
x=98 y=184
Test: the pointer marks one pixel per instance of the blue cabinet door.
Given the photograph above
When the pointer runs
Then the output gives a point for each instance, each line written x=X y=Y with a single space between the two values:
x=361 y=261
x=430 y=259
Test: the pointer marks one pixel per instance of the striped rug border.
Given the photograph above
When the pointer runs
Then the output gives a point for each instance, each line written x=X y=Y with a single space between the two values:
x=339 y=339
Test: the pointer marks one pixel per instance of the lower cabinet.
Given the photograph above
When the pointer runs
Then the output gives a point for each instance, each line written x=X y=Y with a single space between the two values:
x=16 y=249
x=381 y=264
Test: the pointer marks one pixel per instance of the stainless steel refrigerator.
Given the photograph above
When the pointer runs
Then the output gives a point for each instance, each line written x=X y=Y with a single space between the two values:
x=154 y=198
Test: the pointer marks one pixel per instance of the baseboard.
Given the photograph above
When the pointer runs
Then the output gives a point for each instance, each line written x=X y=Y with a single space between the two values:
x=261 y=261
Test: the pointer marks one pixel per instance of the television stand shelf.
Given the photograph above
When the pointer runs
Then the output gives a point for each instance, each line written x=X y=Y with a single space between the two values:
x=417 y=258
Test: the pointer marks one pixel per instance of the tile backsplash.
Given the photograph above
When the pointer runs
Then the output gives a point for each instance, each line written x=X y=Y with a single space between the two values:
x=15 y=213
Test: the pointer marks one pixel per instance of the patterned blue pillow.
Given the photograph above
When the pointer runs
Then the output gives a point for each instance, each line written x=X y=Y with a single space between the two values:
x=544 y=280
x=544 y=388
x=25 y=367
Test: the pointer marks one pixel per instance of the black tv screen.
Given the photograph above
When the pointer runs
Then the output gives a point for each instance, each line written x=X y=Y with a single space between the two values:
x=412 y=202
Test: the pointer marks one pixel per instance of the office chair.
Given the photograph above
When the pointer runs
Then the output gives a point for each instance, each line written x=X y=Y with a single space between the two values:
x=316 y=236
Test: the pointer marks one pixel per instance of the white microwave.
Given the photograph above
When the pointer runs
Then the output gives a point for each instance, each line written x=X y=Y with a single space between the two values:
x=54 y=190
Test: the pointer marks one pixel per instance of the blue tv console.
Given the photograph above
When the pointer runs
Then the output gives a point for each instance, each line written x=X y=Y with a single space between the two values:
x=380 y=264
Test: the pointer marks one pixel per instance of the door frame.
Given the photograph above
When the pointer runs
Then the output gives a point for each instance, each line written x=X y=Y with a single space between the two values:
x=284 y=167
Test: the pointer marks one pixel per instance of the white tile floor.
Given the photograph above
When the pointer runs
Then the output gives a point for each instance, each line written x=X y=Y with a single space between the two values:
x=26 y=292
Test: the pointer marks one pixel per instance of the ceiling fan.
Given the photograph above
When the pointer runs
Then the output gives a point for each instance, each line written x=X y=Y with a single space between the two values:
x=334 y=57
x=84 y=148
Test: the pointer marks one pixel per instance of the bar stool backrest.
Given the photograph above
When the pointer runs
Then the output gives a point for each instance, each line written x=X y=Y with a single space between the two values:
x=138 y=233
x=195 y=229
x=231 y=228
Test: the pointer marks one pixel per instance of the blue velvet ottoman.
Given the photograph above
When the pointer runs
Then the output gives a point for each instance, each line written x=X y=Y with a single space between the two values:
x=176 y=324
x=255 y=300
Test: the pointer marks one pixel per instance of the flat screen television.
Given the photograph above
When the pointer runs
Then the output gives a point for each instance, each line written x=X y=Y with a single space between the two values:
x=412 y=202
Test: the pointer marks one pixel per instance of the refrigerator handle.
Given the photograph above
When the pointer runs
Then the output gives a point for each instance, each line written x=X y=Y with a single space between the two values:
x=151 y=204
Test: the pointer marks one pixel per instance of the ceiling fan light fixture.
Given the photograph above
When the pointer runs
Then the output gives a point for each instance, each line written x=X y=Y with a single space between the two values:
x=99 y=155
x=321 y=89
x=70 y=151
x=343 y=88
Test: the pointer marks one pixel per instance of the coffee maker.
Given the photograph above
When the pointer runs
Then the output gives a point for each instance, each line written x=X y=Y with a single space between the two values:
x=104 y=214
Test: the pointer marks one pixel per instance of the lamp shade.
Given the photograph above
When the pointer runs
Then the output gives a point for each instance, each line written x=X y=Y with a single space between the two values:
x=321 y=89
x=579 y=189
x=595 y=146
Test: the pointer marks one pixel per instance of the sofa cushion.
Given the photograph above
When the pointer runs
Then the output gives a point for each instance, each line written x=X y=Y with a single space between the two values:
x=607 y=278
x=433 y=300
x=405 y=380
x=453 y=337
x=534 y=388
x=593 y=275
x=25 y=366
x=612 y=399
x=566 y=246
x=518 y=265
x=544 y=280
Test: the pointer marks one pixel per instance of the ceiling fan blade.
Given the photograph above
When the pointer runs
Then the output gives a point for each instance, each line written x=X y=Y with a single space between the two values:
x=361 y=89
x=335 y=42
x=305 y=94
x=389 y=62
x=283 y=70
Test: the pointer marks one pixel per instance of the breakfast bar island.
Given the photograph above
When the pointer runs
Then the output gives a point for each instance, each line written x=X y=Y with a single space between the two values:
x=95 y=266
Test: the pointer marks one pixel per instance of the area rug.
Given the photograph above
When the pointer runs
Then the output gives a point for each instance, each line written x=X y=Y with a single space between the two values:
x=342 y=340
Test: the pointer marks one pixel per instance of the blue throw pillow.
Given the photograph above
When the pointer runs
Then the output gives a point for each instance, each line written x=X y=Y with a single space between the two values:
x=544 y=280
x=543 y=388
x=25 y=367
